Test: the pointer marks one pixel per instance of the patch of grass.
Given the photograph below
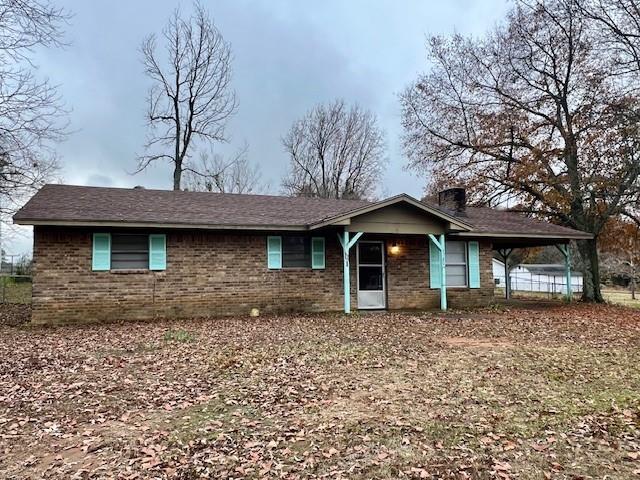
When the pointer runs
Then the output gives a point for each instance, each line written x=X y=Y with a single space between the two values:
x=496 y=307
x=178 y=336
x=137 y=349
x=614 y=297
x=15 y=290
x=212 y=419
x=621 y=297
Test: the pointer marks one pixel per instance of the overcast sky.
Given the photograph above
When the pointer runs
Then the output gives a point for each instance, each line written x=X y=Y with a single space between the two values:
x=288 y=56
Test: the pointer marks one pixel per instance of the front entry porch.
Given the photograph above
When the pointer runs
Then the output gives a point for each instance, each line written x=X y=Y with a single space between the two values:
x=451 y=259
x=389 y=275
x=398 y=271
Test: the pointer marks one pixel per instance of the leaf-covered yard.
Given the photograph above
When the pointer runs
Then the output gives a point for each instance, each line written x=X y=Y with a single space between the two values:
x=549 y=392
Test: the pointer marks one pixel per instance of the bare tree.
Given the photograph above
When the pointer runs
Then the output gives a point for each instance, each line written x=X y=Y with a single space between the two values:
x=620 y=245
x=215 y=173
x=191 y=98
x=620 y=22
x=31 y=115
x=335 y=151
x=532 y=115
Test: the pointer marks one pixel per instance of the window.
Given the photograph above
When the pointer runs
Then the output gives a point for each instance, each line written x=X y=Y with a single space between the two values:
x=296 y=252
x=456 y=264
x=370 y=266
x=370 y=278
x=126 y=251
x=129 y=251
x=370 y=253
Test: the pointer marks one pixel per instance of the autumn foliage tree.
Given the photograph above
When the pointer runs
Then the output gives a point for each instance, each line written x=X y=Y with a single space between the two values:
x=534 y=116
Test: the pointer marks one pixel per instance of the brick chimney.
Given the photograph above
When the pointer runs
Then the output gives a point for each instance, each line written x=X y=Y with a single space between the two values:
x=454 y=199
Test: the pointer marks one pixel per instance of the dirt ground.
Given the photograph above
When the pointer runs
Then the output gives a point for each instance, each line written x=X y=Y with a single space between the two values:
x=551 y=391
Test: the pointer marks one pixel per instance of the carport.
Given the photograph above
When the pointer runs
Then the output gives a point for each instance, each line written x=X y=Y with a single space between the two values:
x=505 y=247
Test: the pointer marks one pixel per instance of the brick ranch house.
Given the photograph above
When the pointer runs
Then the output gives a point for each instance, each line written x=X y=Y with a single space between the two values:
x=112 y=253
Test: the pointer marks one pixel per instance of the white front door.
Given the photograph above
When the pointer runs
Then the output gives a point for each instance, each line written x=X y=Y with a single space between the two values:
x=371 y=287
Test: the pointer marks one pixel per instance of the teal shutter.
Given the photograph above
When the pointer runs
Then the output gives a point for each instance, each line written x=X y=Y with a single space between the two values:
x=474 y=265
x=435 y=267
x=101 y=259
x=317 y=253
x=274 y=253
x=157 y=252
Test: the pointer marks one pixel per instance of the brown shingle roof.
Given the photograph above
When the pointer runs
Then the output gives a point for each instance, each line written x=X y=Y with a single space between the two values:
x=87 y=205
x=97 y=204
x=491 y=220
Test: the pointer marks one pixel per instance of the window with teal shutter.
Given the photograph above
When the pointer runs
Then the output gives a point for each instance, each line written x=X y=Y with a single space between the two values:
x=157 y=252
x=274 y=253
x=101 y=259
x=474 y=265
x=317 y=253
x=435 y=267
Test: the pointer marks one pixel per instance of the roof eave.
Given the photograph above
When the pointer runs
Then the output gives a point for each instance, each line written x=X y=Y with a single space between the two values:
x=578 y=235
x=183 y=226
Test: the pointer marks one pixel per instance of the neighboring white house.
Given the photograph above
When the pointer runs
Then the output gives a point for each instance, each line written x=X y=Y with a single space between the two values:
x=547 y=278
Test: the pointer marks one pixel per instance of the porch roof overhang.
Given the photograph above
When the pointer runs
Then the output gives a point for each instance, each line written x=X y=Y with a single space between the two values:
x=504 y=240
x=449 y=222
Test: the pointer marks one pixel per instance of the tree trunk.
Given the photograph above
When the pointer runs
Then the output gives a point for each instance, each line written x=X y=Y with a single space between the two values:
x=177 y=176
x=591 y=276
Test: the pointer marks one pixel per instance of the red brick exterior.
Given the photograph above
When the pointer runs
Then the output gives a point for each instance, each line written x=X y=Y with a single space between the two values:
x=210 y=273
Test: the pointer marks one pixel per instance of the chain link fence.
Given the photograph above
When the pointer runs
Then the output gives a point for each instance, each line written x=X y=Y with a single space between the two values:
x=550 y=286
x=15 y=279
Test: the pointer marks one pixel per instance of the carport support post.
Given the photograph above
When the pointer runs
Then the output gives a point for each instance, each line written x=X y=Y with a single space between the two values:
x=505 y=254
x=567 y=268
x=440 y=244
x=346 y=246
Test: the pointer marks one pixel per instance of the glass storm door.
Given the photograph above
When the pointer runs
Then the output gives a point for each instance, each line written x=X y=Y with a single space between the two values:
x=371 y=286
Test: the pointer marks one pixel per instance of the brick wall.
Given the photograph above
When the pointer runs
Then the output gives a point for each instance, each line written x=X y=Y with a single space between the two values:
x=408 y=278
x=212 y=273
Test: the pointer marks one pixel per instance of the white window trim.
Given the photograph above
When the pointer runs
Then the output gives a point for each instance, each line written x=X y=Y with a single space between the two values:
x=458 y=264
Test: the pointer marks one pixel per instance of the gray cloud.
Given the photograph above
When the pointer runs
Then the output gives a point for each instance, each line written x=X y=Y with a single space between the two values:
x=288 y=55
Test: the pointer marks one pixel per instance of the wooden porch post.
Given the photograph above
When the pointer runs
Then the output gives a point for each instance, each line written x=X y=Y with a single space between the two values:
x=566 y=252
x=505 y=254
x=346 y=246
x=440 y=244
